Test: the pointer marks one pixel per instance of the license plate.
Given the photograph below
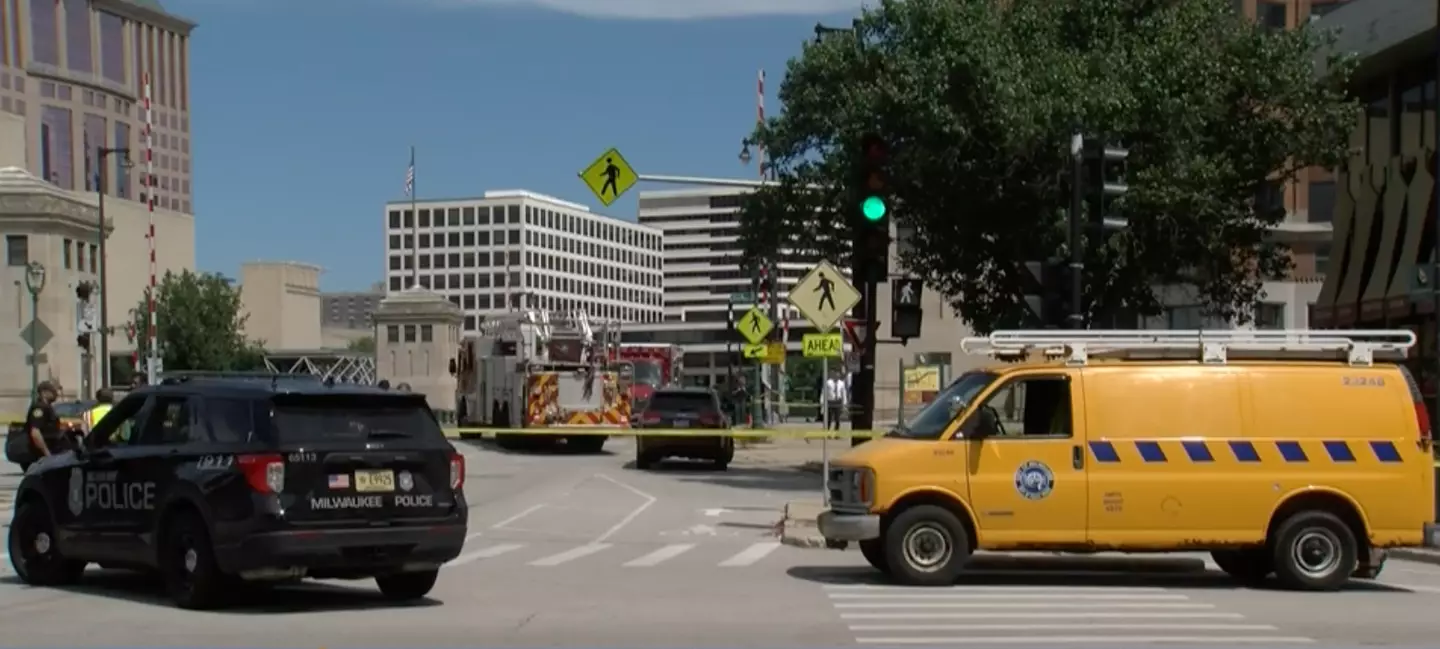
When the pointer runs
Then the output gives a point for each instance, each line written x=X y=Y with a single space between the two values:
x=376 y=480
x=681 y=423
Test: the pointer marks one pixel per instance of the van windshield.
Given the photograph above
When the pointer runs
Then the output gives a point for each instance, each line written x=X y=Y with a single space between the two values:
x=931 y=421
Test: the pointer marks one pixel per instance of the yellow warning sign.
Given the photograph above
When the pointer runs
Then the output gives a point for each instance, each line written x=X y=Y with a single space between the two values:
x=754 y=325
x=755 y=352
x=824 y=296
x=609 y=176
x=823 y=345
x=775 y=354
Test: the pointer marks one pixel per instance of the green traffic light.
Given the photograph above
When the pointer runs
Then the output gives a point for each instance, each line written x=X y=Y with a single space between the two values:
x=873 y=208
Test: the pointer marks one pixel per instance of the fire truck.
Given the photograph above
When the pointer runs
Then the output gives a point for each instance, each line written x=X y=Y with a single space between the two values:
x=538 y=369
x=655 y=365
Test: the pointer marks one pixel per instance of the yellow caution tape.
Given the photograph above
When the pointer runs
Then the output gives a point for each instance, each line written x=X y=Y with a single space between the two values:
x=738 y=433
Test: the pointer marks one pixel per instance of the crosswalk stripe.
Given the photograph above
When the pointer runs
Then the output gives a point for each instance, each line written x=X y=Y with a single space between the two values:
x=999 y=589
x=486 y=553
x=1024 y=605
x=663 y=554
x=1149 y=597
x=750 y=555
x=570 y=555
x=1063 y=627
x=1048 y=615
x=1089 y=639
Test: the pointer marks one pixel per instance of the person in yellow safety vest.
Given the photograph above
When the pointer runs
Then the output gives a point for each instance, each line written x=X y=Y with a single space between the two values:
x=104 y=401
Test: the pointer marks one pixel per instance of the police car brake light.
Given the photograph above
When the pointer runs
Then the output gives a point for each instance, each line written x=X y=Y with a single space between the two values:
x=265 y=473
x=457 y=471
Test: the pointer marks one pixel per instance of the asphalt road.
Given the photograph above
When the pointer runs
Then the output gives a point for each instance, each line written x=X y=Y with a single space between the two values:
x=571 y=551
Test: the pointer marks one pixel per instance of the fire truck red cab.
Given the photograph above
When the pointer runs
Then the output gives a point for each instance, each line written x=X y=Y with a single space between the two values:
x=655 y=365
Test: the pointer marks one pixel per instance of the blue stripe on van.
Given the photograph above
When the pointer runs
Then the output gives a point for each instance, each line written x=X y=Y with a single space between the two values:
x=1104 y=452
x=1151 y=451
x=1339 y=451
x=1292 y=452
x=1244 y=452
x=1198 y=451
x=1385 y=451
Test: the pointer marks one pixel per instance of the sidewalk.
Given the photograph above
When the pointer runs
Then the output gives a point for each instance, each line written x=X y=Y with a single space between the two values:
x=1422 y=555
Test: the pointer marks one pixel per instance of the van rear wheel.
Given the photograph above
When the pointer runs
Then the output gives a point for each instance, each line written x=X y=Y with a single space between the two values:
x=1314 y=550
x=926 y=545
x=1249 y=566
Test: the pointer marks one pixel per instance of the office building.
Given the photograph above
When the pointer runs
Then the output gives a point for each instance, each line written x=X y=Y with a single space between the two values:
x=512 y=249
x=350 y=309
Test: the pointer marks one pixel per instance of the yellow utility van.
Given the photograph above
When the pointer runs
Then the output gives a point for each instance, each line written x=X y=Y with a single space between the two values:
x=1302 y=454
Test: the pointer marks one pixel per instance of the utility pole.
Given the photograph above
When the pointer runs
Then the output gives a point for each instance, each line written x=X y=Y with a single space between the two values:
x=104 y=306
x=1077 y=254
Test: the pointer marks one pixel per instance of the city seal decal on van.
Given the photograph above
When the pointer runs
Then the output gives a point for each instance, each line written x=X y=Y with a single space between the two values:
x=1034 y=480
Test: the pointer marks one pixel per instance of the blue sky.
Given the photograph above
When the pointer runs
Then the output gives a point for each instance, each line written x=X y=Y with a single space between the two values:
x=304 y=110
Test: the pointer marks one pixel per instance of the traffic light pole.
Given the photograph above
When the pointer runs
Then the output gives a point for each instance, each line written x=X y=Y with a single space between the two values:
x=862 y=385
x=1077 y=255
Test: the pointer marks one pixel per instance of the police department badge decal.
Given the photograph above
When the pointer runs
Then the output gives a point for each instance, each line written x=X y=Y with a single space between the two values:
x=1034 y=480
x=76 y=497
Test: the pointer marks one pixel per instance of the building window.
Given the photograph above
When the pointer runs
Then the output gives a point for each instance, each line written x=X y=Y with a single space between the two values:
x=409 y=333
x=78 y=54
x=394 y=220
x=1322 y=201
x=1269 y=316
x=17 y=250
x=65 y=255
x=395 y=284
x=112 y=47
x=1272 y=13
x=427 y=334
x=392 y=333
x=94 y=257
x=1322 y=258
x=424 y=218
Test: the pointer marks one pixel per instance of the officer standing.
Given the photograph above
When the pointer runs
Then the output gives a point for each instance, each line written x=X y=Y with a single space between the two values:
x=104 y=401
x=43 y=424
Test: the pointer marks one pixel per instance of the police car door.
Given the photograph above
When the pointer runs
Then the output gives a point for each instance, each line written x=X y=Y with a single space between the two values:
x=97 y=488
x=147 y=473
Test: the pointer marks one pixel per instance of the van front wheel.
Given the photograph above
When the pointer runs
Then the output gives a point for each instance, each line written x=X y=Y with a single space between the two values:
x=926 y=545
x=1314 y=550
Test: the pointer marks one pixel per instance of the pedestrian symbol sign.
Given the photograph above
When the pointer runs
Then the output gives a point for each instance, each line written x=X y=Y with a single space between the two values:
x=754 y=326
x=823 y=296
x=609 y=176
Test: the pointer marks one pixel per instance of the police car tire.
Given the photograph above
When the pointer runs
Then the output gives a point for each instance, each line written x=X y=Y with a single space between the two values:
x=207 y=586
x=403 y=586
x=58 y=571
x=1292 y=530
x=937 y=519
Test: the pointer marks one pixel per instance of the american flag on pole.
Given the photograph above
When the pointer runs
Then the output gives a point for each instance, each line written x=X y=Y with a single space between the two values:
x=410 y=174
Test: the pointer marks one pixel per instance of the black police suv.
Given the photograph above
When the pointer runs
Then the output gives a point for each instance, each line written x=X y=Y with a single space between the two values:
x=683 y=408
x=217 y=482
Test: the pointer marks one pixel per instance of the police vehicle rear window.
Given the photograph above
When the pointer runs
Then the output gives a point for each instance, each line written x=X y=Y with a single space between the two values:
x=682 y=402
x=315 y=418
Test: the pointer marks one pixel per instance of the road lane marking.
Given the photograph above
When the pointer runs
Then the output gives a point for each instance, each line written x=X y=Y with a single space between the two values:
x=1063 y=627
x=1147 y=597
x=485 y=553
x=1019 y=605
x=663 y=554
x=528 y=511
x=1040 y=640
x=1048 y=615
x=649 y=500
x=750 y=555
x=570 y=555
x=1001 y=589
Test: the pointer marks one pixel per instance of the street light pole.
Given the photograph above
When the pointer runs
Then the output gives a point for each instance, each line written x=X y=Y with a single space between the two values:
x=34 y=283
x=104 y=279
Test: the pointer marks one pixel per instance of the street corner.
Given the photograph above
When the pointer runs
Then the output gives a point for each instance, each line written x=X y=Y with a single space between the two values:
x=799 y=527
x=1419 y=555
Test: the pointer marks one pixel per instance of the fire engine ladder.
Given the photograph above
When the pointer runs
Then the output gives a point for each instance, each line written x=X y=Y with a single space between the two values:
x=1359 y=347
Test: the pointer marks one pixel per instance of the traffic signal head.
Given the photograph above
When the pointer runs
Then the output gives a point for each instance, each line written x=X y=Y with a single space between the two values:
x=876 y=181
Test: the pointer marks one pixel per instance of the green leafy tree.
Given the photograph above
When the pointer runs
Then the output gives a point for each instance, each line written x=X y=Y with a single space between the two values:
x=200 y=325
x=362 y=345
x=978 y=99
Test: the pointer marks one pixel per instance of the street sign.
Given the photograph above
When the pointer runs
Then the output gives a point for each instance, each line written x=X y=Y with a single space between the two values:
x=742 y=298
x=857 y=331
x=755 y=352
x=775 y=354
x=823 y=296
x=36 y=334
x=37 y=359
x=829 y=345
x=755 y=326
x=609 y=176
x=906 y=293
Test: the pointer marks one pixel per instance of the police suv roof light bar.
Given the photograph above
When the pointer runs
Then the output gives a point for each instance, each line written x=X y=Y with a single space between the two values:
x=1359 y=347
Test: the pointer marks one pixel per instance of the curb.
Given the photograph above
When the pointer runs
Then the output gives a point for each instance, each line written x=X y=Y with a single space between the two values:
x=1431 y=557
x=801 y=535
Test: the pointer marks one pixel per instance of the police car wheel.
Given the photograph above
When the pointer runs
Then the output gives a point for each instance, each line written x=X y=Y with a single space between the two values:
x=33 y=551
x=1314 y=550
x=926 y=545
x=187 y=562
x=407 y=585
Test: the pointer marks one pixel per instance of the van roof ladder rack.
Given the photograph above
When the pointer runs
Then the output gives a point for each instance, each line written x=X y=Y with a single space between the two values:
x=1360 y=347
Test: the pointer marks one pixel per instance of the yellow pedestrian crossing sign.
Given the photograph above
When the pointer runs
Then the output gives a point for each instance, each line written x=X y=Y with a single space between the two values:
x=755 y=351
x=609 y=176
x=823 y=296
x=755 y=326
x=823 y=345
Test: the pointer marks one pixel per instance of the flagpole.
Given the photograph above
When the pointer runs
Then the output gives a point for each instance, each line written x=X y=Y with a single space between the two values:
x=414 y=226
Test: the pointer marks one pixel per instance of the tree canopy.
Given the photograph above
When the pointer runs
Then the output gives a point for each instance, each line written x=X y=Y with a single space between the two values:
x=200 y=325
x=978 y=99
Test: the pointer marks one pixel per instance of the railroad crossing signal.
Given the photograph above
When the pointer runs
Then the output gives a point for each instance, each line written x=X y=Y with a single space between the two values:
x=823 y=296
x=755 y=326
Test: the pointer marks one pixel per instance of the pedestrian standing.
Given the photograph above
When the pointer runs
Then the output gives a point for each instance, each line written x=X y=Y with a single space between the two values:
x=836 y=396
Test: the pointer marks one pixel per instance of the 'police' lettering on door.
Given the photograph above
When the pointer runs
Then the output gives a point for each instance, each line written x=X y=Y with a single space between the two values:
x=103 y=490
